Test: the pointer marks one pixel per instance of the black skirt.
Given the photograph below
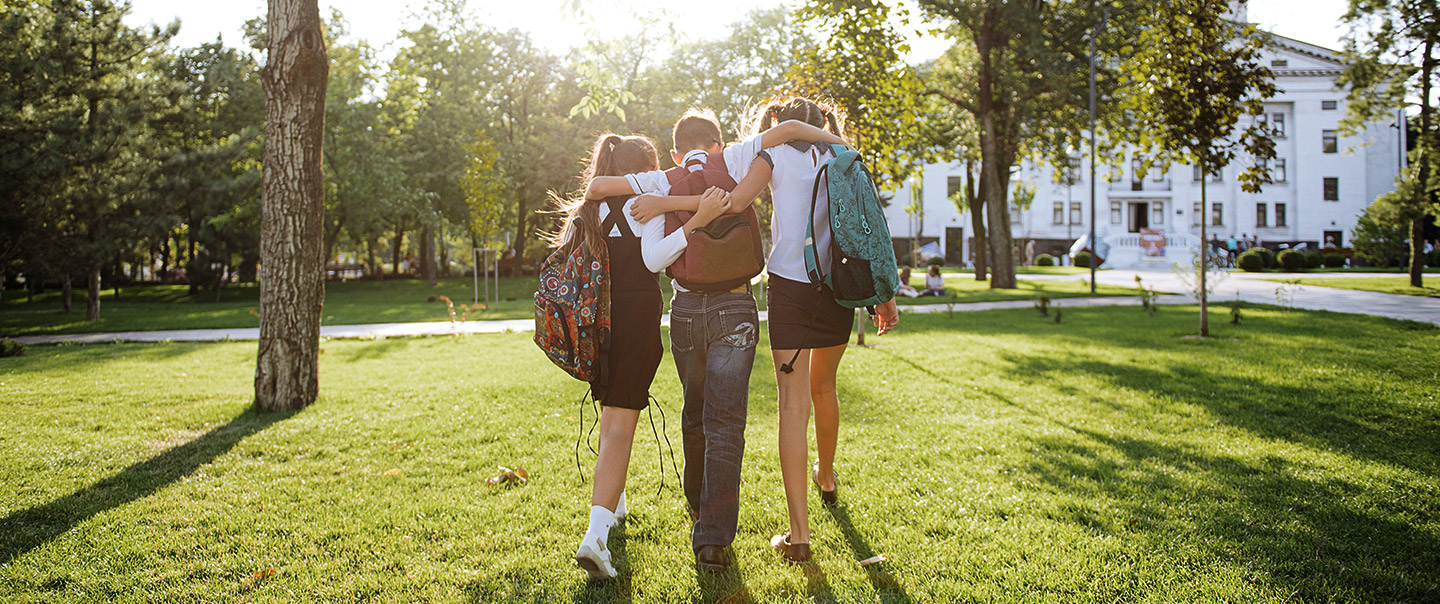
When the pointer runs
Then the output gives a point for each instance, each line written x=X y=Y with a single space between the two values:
x=803 y=317
x=635 y=306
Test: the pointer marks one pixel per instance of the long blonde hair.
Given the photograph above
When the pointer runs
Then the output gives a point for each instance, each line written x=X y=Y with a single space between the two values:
x=614 y=155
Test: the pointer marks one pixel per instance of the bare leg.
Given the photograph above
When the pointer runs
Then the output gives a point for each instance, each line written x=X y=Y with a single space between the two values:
x=617 y=434
x=824 y=363
x=794 y=444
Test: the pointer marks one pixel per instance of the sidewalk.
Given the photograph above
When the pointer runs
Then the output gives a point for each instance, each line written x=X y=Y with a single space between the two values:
x=1249 y=287
x=385 y=330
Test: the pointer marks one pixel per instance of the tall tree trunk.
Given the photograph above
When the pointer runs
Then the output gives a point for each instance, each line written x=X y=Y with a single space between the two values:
x=92 y=304
x=165 y=259
x=397 y=250
x=522 y=229
x=427 y=255
x=976 y=200
x=993 y=171
x=191 y=264
x=1204 y=253
x=292 y=279
x=1422 y=188
x=374 y=262
x=65 y=294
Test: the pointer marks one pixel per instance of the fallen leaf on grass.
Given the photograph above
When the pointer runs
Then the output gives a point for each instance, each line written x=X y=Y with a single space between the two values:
x=264 y=573
x=876 y=559
x=392 y=471
x=508 y=476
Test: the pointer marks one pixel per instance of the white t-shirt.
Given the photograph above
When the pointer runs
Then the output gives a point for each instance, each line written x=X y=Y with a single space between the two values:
x=795 y=166
x=738 y=158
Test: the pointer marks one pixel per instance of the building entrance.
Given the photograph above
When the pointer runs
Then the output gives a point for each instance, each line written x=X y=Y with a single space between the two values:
x=1139 y=216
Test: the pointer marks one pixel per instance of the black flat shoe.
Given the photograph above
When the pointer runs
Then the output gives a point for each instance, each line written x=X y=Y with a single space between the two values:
x=830 y=498
x=793 y=553
x=712 y=559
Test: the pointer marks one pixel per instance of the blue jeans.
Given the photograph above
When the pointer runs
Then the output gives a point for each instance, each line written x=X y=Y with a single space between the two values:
x=713 y=338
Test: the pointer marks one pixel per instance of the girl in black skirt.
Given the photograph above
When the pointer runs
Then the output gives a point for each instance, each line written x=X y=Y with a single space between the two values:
x=808 y=329
x=635 y=308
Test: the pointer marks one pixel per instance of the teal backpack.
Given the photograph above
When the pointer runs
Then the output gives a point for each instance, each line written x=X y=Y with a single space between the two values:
x=862 y=257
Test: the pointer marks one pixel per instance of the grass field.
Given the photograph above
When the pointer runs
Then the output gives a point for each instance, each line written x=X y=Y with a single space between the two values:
x=153 y=307
x=996 y=456
x=1384 y=285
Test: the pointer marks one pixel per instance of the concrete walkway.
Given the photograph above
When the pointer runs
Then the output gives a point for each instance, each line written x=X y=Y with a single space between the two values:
x=1248 y=286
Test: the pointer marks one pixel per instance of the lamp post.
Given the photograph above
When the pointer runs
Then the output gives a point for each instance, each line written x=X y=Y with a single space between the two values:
x=1093 y=246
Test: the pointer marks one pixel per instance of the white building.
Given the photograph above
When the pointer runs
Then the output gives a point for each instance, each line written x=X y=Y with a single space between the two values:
x=1323 y=182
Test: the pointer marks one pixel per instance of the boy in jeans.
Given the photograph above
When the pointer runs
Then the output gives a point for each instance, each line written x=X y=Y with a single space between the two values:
x=712 y=334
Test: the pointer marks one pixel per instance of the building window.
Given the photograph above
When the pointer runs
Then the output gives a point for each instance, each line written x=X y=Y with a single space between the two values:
x=1058 y=215
x=1279 y=63
x=1217 y=214
x=1157 y=213
x=1197 y=215
x=1328 y=105
x=1137 y=177
x=1277 y=171
x=1328 y=142
x=1332 y=188
x=1277 y=121
x=1261 y=214
x=1076 y=216
x=1116 y=173
x=1196 y=176
x=1161 y=172
x=1280 y=215
x=1114 y=212
x=1014 y=214
x=952 y=186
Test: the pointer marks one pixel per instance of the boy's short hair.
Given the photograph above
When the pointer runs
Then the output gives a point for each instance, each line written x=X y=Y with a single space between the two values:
x=698 y=128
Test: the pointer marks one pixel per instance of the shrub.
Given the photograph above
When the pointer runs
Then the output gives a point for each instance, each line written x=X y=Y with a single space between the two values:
x=1044 y=260
x=935 y=261
x=1268 y=256
x=11 y=348
x=1433 y=258
x=1334 y=260
x=1252 y=260
x=1082 y=259
x=1292 y=261
x=1314 y=260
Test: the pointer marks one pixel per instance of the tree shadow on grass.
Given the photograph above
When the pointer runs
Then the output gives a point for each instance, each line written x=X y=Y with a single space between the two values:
x=887 y=588
x=28 y=529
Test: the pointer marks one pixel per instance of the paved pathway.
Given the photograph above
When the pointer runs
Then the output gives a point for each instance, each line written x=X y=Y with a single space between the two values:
x=1249 y=287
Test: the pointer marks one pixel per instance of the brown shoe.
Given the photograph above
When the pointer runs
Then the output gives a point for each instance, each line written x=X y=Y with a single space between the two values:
x=712 y=559
x=830 y=498
x=793 y=553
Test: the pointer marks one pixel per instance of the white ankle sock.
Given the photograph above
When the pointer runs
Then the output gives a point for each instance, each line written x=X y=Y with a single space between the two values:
x=601 y=520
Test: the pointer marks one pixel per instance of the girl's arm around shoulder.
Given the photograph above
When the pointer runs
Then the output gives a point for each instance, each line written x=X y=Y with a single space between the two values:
x=795 y=130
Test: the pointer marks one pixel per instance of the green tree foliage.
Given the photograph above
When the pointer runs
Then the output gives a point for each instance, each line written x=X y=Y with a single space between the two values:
x=1194 y=75
x=856 y=64
x=1024 y=80
x=1392 y=56
x=1381 y=233
x=78 y=111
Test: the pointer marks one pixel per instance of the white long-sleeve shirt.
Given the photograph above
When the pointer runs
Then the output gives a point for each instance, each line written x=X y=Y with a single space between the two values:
x=658 y=250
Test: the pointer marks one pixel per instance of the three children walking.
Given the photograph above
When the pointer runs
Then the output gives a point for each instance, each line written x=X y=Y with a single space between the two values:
x=714 y=327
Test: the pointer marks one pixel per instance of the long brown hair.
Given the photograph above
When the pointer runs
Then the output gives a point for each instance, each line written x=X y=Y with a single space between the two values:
x=614 y=155
x=817 y=114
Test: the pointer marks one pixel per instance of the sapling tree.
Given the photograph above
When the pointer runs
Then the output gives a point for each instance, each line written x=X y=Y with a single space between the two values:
x=1194 y=75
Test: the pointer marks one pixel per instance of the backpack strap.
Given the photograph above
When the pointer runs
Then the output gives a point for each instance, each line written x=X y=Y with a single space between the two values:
x=812 y=257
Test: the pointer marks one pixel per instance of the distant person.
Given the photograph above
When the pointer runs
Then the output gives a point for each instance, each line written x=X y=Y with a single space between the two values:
x=905 y=288
x=934 y=283
x=1330 y=242
x=1232 y=249
x=1030 y=252
x=1429 y=247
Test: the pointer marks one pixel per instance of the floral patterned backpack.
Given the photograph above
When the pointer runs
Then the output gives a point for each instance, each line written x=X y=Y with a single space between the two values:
x=572 y=310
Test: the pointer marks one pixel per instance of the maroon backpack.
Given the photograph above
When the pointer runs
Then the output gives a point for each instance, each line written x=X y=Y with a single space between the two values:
x=724 y=254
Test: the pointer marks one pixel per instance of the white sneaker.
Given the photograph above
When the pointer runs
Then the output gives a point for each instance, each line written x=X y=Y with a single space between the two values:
x=594 y=558
x=620 y=507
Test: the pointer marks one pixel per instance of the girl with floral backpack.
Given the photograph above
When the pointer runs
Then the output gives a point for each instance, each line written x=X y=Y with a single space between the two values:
x=633 y=351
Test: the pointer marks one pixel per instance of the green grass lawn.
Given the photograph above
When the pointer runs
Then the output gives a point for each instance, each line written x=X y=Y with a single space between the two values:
x=1019 y=270
x=1384 y=285
x=996 y=456
x=152 y=307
